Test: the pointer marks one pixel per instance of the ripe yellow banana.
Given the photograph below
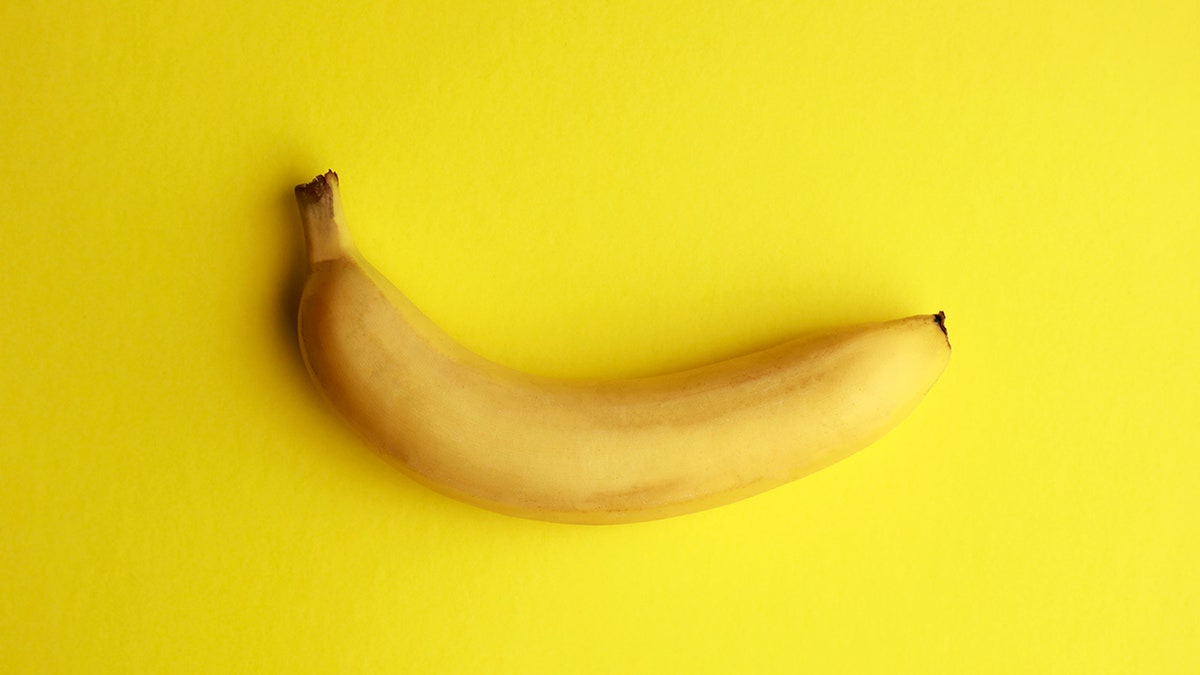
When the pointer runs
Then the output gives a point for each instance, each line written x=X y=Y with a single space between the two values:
x=584 y=451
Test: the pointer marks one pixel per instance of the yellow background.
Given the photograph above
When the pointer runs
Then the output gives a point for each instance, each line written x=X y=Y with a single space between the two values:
x=601 y=189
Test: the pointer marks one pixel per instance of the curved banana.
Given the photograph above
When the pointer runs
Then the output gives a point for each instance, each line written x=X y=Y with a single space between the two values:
x=592 y=451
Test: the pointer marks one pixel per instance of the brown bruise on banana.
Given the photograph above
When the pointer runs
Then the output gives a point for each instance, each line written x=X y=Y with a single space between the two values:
x=346 y=299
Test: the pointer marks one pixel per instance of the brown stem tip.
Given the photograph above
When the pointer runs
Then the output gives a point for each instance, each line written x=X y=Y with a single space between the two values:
x=323 y=220
x=319 y=190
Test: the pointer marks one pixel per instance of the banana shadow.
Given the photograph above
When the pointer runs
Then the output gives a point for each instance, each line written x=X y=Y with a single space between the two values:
x=293 y=273
x=291 y=266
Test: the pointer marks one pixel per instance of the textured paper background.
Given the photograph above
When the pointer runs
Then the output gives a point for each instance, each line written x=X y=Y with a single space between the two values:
x=601 y=189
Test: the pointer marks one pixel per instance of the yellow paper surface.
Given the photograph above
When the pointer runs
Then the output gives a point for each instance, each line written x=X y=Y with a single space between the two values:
x=601 y=189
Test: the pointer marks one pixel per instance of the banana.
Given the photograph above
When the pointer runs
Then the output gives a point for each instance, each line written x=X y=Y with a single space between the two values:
x=592 y=451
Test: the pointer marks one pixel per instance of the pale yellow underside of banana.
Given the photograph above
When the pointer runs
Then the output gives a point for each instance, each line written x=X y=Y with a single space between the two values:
x=585 y=451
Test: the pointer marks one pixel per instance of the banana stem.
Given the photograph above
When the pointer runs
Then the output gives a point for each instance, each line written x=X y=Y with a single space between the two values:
x=325 y=233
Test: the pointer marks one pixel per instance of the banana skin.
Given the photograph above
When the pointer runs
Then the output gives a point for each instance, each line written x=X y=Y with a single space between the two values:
x=592 y=451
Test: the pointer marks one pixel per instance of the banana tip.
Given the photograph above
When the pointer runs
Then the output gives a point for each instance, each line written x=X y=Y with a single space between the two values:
x=940 y=320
